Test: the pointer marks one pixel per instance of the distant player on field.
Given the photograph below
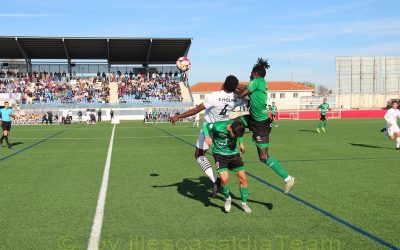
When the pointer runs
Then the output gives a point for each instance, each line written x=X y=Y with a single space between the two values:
x=218 y=105
x=6 y=114
x=273 y=108
x=196 y=120
x=224 y=137
x=323 y=120
x=258 y=122
x=154 y=116
x=392 y=128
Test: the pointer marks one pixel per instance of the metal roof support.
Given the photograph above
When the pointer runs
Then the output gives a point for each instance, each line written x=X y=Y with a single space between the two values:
x=148 y=53
x=188 y=47
x=108 y=55
x=68 y=57
x=22 y=50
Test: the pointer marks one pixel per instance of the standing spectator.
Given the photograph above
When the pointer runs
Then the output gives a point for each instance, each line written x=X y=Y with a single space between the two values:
x=80 y=116
x=112 y=114
x=50 y=117
x=99 y=115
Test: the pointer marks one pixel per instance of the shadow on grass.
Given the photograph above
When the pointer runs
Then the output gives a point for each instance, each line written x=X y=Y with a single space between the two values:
x=12 y=144
x=367 y=145
x=200 y=190
x=307 y=130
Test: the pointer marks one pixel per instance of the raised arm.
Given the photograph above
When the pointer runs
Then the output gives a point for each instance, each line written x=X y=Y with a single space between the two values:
x=242 y=91
x=190 y=112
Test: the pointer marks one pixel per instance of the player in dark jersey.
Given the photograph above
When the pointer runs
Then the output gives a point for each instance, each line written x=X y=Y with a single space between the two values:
x=6 y=115
x=259 y=122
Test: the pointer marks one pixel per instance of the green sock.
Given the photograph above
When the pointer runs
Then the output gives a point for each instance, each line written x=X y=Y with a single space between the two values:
x=320 y=125
x=225 y=191
x=244 y=193
x=277 y=167
x=325 y=123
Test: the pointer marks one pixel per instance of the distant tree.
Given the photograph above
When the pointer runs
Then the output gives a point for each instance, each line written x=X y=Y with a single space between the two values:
x=309 y=84
x=323 y=90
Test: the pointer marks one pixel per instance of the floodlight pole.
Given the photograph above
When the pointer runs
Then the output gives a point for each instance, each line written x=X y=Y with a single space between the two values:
x=26 y=56
x=291 y=71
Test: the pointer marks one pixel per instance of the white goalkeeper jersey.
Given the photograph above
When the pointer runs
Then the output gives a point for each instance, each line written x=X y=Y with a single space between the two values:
x=219 y=105
x=392 y=115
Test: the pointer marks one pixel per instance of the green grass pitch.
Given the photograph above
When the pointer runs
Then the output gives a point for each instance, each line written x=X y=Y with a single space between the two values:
x=158 y=197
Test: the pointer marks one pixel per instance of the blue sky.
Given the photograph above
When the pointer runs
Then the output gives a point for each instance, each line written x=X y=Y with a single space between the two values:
x=228 y=35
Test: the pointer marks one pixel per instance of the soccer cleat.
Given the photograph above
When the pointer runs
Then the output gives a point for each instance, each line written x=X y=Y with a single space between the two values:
x=276 y=125
x=323 y=129
x=8 y=145
x=1 y=141
x=228 y=205
x=216 y=186
x=397 y=148
x=383 y=130
x=246 y=208
x=318 y=130
x=289 y=185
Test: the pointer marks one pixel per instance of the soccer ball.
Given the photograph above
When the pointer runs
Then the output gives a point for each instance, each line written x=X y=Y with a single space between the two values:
x=183 y=63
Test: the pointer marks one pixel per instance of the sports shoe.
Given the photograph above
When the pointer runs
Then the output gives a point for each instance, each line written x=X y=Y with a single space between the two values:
x=289 y=185
x=216 y=185
x=246 y=208
x=323 y=129
x=1 y=141
x=276 y=125
x=228 y=205
x=8 y=145
x=318 y=130
x=397 y=148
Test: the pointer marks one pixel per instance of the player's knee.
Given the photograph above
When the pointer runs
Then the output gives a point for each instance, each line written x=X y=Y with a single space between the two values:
x=263 y=158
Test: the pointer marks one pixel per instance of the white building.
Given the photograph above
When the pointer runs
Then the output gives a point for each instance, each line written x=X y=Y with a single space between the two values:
x=285 y=94
x=367 y=81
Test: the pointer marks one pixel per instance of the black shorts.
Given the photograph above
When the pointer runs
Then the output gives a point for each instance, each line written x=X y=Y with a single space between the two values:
x=260 y=129
x=228 y=162
x=6 y=125
x=323 y=117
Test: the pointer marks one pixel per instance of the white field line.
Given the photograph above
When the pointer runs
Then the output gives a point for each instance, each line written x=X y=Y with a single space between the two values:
x=95 y=234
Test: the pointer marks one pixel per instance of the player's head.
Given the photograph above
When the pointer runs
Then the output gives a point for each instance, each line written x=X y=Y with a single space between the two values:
x=237 y=129
x=395 y=104
x=324 y=100
x=259 y=69
x=6 y=104
x=273 y=103
x=230 y=84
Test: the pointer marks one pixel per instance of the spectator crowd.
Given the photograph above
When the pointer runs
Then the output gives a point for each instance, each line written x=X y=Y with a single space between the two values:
x=56 y=87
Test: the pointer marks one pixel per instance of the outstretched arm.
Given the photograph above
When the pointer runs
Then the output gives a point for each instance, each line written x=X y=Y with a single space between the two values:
x=190 y=112
x=242 y=91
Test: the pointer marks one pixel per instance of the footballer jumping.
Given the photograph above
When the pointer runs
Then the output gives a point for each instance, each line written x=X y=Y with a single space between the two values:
x=259 y=122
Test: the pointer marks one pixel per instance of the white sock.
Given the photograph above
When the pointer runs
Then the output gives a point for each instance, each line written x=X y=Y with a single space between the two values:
x=206 y=167
x=288 y=178
x=398 y=142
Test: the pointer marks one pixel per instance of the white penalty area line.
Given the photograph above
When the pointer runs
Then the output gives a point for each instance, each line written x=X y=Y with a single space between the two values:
x=95 y=234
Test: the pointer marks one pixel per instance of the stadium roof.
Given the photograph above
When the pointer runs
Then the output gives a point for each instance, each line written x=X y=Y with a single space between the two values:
x=272 y=86
x=116 y=50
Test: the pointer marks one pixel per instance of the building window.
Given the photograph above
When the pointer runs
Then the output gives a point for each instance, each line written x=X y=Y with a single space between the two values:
x=272 y=95
x=201 y=97
x=282 y=95
x=295 y=95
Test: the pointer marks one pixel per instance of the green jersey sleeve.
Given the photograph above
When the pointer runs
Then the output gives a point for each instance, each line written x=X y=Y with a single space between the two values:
x=240 y=140
x=206 y=128
x=252 y=87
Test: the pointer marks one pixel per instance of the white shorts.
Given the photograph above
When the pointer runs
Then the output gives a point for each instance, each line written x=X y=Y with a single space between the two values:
x=201 y=142
x=392 y=129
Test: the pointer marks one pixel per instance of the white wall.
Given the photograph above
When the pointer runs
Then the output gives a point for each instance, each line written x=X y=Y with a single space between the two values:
x=288 y=102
